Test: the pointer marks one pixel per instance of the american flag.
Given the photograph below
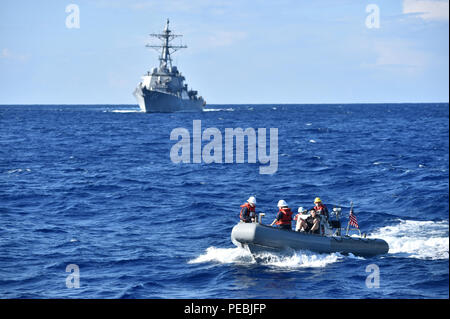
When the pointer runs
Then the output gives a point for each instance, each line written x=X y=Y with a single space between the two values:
x=352 y=219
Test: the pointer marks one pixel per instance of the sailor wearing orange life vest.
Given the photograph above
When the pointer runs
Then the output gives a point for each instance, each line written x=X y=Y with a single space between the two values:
x=320 y=208
x=284 y=216
x=248 y=213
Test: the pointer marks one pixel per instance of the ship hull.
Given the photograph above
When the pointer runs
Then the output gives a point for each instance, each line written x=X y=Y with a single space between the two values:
x=151 y=101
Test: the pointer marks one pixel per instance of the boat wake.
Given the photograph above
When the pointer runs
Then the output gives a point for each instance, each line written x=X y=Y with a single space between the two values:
x=240 y=256
x=298 y=259
x=219 y=110
x=416 y=239
x=235 y=255
x=407 y=239
x=127 y=111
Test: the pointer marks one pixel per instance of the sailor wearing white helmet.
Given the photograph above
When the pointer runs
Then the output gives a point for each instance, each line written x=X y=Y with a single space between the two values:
x=302 y=214
x=248 y=212
x=284 y=216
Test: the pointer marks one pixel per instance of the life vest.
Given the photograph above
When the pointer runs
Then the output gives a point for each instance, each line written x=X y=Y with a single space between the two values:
x=321 y=210
x=250 y=209
x=286 y=217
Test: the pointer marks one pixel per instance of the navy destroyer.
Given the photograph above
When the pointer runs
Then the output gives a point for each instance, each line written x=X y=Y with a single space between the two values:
x=163 y=89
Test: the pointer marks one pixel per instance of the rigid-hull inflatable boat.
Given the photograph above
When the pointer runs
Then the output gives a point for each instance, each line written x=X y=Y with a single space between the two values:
x=258 y=238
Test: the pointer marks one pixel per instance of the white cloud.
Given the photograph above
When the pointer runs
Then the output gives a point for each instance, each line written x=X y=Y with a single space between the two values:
x=398 y=56
x=399 y=53
x=8 y=55
x=172 y=6
x=225 y=38
x=5 y=53
x=427 y=9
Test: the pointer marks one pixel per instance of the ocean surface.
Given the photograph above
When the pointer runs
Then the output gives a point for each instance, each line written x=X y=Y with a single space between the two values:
x=95 y=187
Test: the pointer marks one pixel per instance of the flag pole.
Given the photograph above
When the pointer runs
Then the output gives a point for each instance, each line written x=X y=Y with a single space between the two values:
x=348 y=224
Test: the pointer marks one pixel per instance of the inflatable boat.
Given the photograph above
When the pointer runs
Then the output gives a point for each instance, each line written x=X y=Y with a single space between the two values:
x=259 y=238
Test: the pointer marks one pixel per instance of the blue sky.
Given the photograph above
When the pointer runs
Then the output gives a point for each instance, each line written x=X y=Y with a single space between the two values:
x=239 y=51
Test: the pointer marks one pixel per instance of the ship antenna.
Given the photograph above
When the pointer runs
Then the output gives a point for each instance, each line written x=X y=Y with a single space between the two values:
x=166 y=48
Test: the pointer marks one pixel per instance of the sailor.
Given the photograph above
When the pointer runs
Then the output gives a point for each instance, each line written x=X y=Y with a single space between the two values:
x=299 y=219
x=284 y=216
x=312 y=223
x=248 y=213
x=320 y=208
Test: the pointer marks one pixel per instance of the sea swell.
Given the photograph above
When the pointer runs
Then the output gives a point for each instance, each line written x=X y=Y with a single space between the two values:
x=95 y=186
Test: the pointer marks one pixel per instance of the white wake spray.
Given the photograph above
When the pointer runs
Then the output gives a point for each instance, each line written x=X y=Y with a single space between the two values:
x=299 y=259
x=408 y=238
x=416 y=239
x=126 y=111
x=224 y=256
x=219 y=110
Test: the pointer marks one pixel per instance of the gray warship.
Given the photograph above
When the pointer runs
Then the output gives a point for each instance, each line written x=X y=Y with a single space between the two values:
x=162 y=90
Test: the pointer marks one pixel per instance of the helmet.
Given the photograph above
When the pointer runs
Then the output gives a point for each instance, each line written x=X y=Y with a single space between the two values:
x=282 y=203
x=252 y=200
x=300 y=209
x=317 y=200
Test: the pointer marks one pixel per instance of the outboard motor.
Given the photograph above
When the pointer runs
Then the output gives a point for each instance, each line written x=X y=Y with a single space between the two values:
x=336 y=224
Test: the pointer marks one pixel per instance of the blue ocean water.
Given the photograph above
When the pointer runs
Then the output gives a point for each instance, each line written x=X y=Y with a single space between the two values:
x=95 y=186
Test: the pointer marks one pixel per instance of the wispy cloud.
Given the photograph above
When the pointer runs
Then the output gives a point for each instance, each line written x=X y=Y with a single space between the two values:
x=225 y=38
x=427 y=9
x=398 y=55
x=7 y=54
x=216 y=7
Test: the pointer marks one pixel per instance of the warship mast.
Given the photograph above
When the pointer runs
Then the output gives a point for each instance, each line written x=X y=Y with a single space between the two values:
x=166 y=48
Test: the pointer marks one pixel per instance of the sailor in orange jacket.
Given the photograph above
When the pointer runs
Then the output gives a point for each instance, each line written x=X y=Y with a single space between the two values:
x=284 y=216
x=320 y=208
x=248 y=212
